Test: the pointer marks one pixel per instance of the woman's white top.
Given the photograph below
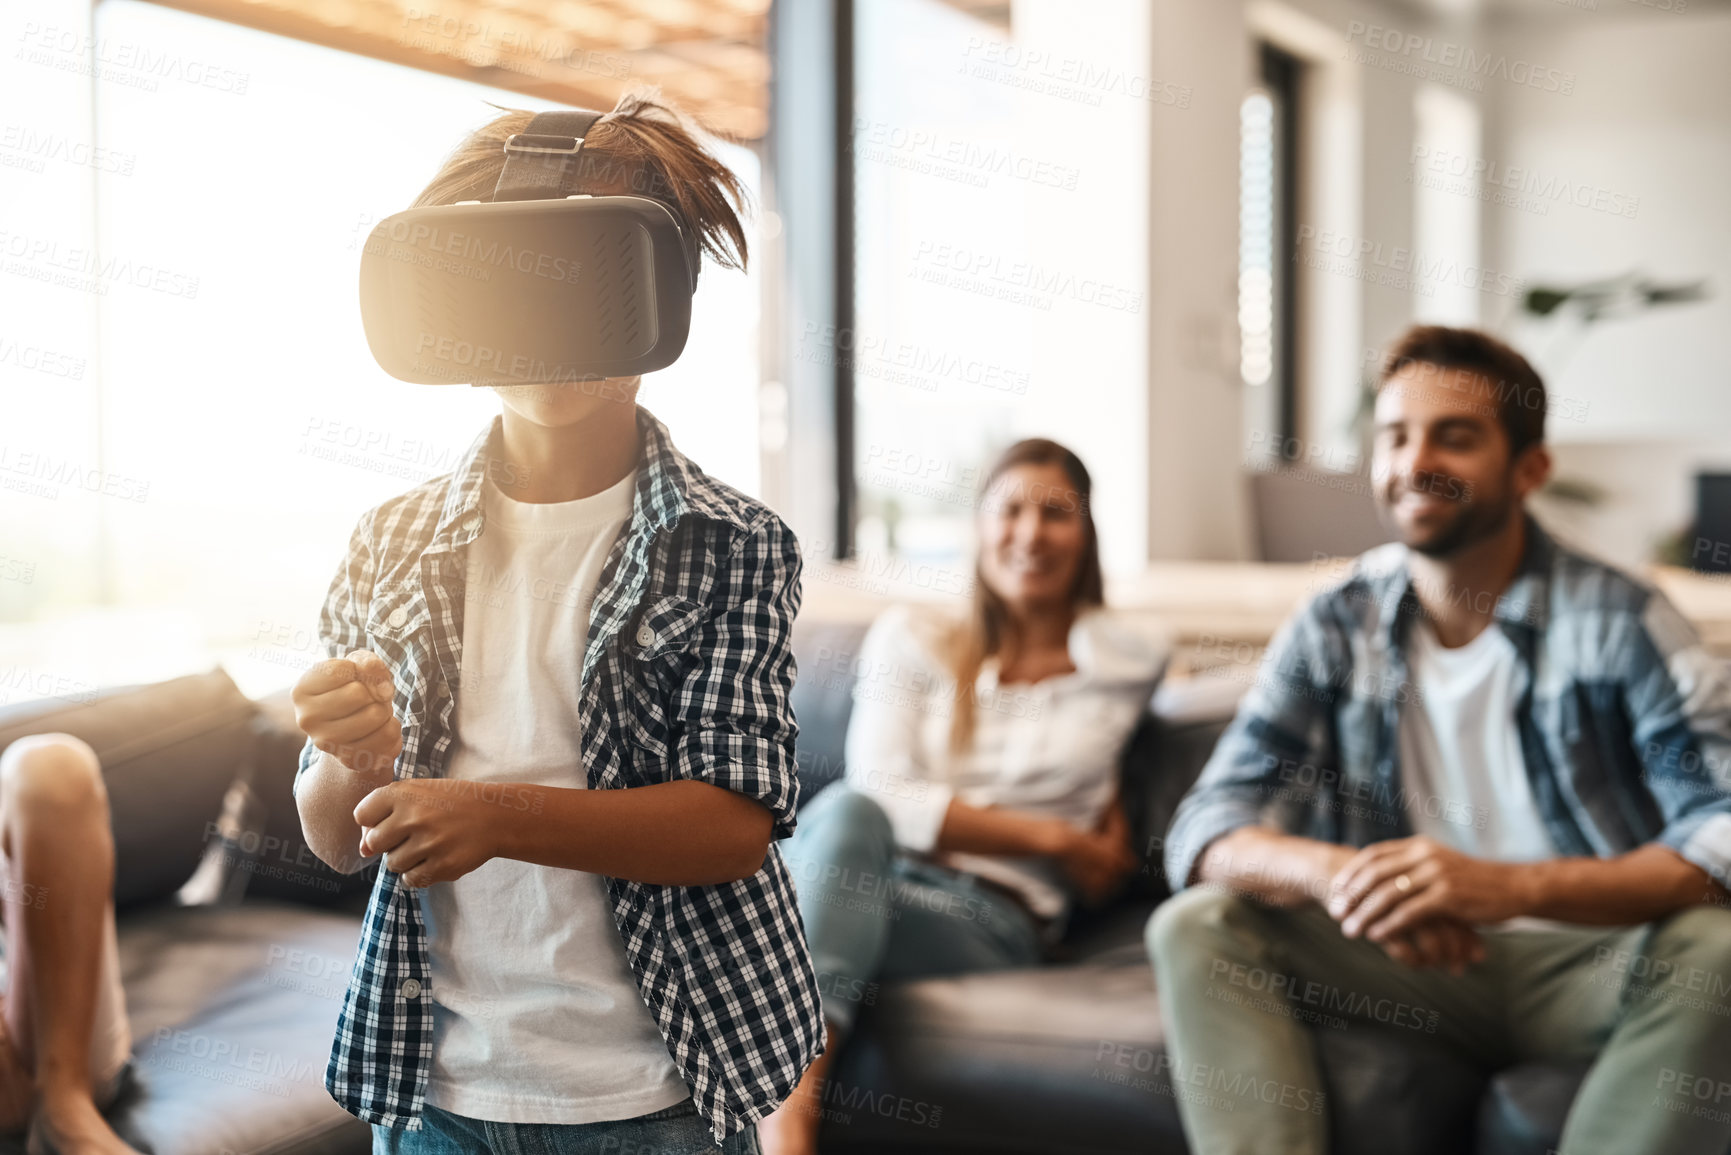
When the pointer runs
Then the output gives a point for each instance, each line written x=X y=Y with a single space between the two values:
x=1049 y=747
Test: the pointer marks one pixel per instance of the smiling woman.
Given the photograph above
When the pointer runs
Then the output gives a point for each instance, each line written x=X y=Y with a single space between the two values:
x=981 y=759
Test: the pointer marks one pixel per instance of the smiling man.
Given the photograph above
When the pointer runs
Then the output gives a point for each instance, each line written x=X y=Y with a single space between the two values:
x=1481 y=790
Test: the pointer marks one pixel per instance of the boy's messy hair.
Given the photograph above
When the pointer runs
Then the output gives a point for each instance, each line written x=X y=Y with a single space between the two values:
x=643 y=147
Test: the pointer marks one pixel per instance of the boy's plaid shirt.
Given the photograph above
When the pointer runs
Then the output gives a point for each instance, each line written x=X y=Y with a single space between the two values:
x=686 y=674
x=1623 y=716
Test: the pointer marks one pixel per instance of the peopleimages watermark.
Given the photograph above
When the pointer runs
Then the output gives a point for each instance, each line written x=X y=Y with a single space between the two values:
x=1691 y=1092
x=225 y=1061
x=1397 y=266
x=1516 y=186
x=1491 y=398
x=933 y=152
x=44 y=260
x=40 y=474
x=455 y=360
x=24 y=147
x=1065 y=77
x=379 y=450
x=515 y=47
x=120 y=62
x=1200 y=1084
x=1242 y=657
x=1014 y=282
x=875 y=572
x=909 y=363
x=1317 y=997
x=464 y=253
x=1447 y=62
x=16 y=570
x=948 y=482
x=1303 y=782
x=36 y=359
x=884 y=895
x=1657 y=979
x=923 y=688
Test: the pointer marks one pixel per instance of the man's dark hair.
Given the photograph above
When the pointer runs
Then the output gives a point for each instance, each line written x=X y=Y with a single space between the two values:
x=1508 y=380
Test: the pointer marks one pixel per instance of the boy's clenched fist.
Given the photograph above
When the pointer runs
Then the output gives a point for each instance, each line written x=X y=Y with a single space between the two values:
x=344 y=706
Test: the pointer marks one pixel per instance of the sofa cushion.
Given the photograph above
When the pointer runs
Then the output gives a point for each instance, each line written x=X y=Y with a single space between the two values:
x=169 y=753
x=1055 y=1059
x=826 y=654
x=275 y=856
x=233 y=1010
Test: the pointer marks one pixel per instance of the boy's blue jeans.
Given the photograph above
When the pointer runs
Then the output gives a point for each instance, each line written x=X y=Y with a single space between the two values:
x=871 y=913
x=678 y=1130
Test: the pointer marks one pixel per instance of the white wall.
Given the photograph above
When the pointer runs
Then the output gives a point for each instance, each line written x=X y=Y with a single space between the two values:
x=1649 y=119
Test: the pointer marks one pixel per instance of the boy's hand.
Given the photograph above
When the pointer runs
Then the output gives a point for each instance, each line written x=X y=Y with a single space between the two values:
x=344 y=706
x=429 y=829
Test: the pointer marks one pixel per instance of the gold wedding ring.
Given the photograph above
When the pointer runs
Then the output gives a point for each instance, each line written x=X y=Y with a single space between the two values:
x=1403 y=884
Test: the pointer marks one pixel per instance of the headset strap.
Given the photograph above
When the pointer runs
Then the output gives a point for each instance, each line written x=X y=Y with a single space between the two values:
x=540 y=162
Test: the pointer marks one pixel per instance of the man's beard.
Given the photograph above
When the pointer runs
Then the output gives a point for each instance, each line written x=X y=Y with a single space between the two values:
x=1475 y=519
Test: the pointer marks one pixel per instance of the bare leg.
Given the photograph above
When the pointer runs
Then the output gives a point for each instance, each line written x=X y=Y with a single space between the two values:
x=791 y=1129
x=54 y=834
x=17 y=1088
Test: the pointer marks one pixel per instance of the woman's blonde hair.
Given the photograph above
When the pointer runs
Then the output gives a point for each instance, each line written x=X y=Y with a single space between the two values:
x=642 y=147
x=981 y=634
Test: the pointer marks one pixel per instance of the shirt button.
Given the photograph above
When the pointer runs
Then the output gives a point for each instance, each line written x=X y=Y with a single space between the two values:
x=645 y=636
x=411 y=989
x=398 y=617
x=472 y=523
x=444 y=690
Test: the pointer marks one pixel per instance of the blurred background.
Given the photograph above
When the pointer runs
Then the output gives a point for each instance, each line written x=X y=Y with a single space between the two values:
x=1174 y=234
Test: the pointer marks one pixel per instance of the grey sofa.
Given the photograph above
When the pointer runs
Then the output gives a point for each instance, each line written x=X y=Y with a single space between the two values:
x=1068 y=1058
x=233 y=1002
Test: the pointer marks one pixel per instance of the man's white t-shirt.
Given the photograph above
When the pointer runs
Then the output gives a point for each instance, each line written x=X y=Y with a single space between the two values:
x=537 y=1018
x=1464 y=778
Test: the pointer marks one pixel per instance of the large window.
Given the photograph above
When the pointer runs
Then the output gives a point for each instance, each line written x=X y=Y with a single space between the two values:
x=186 y=496
x=939 y=361
x=1267 y=182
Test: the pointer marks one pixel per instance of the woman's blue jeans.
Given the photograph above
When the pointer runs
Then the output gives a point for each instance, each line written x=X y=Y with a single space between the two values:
x=873 y=914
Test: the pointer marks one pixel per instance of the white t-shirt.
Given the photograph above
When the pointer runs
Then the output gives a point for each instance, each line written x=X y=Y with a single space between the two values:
x=1464 y=779
x=1049 y=747
x=537 y=1018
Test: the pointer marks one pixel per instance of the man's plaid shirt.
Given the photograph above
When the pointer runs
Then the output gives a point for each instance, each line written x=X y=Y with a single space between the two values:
x=1624 y=719
x=686 y=674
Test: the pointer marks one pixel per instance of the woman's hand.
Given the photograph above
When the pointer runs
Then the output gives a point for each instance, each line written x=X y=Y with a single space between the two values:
x=1096 y=861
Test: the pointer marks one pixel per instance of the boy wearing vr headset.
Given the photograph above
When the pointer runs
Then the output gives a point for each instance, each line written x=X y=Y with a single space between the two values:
x=557 y=704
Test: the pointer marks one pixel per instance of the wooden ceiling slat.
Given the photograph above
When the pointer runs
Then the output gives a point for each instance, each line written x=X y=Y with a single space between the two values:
x=708 y=55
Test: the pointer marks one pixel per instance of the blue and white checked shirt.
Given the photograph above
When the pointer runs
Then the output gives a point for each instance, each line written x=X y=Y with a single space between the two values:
x=1624 y=719
x=686 y=674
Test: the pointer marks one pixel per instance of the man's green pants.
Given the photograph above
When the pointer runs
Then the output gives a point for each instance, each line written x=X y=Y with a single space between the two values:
x=1243 y=986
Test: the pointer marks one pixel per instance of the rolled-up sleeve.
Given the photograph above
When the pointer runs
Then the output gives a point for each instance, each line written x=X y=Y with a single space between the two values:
x=1286 y=715
x=733 y=712
x=341 y=620
x=1678 y=697
x=899 y=685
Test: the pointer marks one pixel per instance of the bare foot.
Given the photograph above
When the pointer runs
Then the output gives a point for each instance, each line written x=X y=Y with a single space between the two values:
x=73 y=1126
x=17 y=1089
